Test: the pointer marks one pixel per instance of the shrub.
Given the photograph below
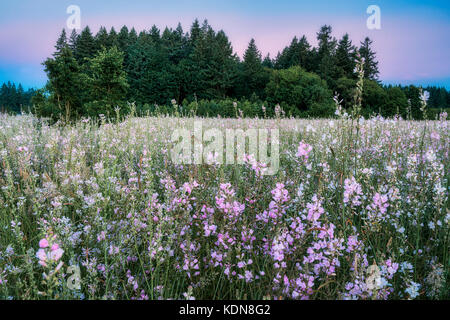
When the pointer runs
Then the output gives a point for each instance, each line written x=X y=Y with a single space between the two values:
x=298 y=88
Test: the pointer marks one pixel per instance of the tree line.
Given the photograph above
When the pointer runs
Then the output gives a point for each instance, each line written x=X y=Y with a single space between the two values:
x=197 y=71
x=14 y=98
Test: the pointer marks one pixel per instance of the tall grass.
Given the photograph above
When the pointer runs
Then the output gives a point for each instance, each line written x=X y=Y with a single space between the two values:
x=348 y=195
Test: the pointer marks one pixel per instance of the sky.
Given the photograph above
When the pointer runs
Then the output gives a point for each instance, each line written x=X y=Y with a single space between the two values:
x=412 y=45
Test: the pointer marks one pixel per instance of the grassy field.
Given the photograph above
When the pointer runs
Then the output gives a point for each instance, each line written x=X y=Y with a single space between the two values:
x=357 y=210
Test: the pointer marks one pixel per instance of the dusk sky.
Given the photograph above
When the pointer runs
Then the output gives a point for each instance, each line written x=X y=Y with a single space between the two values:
x=413 y=44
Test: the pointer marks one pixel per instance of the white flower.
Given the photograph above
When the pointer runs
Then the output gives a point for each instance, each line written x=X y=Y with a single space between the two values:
x=413 y=290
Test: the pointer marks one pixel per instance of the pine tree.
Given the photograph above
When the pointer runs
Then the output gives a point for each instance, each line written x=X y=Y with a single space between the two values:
x=122 y=39
x=3 y=97
x=73 y=40
x=327 y=43
x=195 y=31
x=346 y=57
x=213 y=64
x=252 y=56
x=253 y=71
x=325 y=58
x=64 y=82
x=276 y=62
x=112 y=38
x=226 y=64
x=267 y=62
x=441 y=98
x=413 y=95
x=150 y=74
x=86 y=46
x=284 y=59
x=177 y=48
x=298 y=53
x=370 y=63
x=132 y=37
x=61 y=42
x=302 y=54
x=448 y=99
x=196 y=69
x=188 y=68
x=101 y=39
x=155 y=35
x=107 y=81
x=20 y=95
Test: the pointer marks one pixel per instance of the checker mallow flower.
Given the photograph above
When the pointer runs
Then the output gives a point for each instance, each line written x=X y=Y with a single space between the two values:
x=352 y=192
x=48 y=255
x=43 y=243
x=303 y=150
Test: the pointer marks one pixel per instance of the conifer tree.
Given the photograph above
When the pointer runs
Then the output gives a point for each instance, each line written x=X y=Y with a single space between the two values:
x=213 y=64
x=122 y=39
x=194 y=35
x=112 y=38
x=346 y=57
x=302 y=54
x=326 y=59
x=62 y=41
x=267 y=62
x=107 y=81
x=132 y=37
x=86 y=46
x=101 y=39
x=370 y=63
x=253 y=71
x=64 y=82
x=72 y=42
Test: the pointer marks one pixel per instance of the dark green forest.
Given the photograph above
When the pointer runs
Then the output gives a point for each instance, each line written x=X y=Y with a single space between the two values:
x=14 y=98
x=196 y=72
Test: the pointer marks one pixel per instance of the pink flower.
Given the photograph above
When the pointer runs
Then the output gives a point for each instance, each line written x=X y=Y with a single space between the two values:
x=435 y=135
x=43 y=243
x=303 y=150
x=56 y=254
x=248 y=276
x=315 y=209
x=41 y=255
x=44 y=255
x=353 y=192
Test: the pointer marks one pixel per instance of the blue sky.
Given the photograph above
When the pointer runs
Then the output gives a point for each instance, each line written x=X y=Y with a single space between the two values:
x=412 y=45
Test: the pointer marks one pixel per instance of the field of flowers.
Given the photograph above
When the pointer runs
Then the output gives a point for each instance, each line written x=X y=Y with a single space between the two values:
x=357 y=210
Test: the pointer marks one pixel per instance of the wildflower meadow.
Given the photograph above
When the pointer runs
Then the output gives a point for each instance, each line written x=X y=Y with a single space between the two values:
x=358 y=209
